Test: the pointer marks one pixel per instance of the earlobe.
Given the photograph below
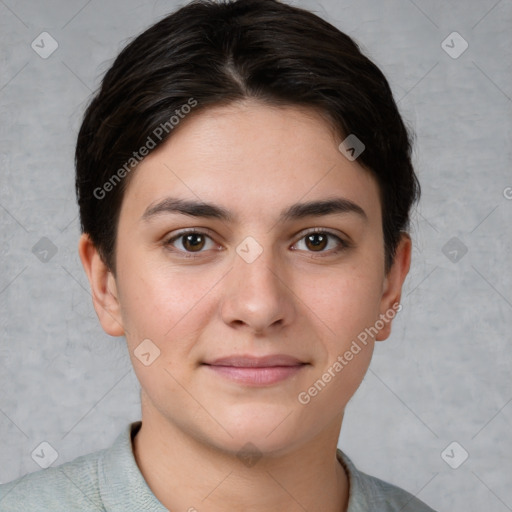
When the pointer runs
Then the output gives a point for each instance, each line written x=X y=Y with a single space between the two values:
x=103 y=287
x=392 y=290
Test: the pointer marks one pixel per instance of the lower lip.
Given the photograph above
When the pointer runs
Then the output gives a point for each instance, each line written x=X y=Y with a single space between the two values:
x=259 y=376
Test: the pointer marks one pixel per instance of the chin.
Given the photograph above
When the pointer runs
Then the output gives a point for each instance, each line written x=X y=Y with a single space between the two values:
x=269 y=428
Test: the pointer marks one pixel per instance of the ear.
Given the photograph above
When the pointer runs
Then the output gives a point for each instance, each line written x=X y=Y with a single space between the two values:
x=392 y=288
x=103 y=287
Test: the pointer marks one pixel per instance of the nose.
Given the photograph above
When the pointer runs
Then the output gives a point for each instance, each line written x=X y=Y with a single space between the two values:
x=258 y=296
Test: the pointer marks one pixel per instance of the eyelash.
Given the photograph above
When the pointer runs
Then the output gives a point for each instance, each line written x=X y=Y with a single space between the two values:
x=343 y=244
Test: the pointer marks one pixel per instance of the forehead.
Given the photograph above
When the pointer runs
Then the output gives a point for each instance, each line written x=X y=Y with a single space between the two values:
x=253 y=159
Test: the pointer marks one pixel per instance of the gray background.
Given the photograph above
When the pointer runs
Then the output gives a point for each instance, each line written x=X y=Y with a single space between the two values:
x=443 y=376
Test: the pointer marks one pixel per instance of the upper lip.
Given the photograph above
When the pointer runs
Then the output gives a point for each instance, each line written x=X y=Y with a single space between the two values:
x=248 y=361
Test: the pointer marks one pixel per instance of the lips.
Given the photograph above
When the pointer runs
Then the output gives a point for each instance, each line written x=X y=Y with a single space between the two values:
x=256 y=371
x=256 y=362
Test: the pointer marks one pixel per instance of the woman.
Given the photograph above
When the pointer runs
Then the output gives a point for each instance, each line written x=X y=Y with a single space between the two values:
x=244 y=183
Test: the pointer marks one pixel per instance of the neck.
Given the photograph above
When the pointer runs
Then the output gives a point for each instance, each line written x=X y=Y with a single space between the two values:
x=188 y=474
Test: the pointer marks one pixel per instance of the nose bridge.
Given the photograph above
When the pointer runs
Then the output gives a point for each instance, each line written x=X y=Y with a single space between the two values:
x=256 y=267
x=256 y=295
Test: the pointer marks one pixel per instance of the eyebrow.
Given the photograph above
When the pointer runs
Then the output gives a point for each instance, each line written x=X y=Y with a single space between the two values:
x=171 y=205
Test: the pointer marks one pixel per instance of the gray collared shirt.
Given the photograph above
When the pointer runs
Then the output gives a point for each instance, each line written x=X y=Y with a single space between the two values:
x=109 y=480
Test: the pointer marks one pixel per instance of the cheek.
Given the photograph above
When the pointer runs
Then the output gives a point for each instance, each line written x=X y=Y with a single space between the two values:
x=346 y=301
x=158 y=301
x=347 y=307
x=169 y=310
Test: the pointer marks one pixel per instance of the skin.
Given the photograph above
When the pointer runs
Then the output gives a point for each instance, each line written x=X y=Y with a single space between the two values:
x=296 y=298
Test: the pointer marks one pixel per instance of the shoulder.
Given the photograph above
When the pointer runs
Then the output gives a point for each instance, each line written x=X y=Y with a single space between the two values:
x=69 y=486
x=368 y=493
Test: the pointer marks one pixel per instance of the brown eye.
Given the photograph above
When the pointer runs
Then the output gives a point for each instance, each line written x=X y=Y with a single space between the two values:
x=322 y=242
x=190 y=242
x=316 y=241
x=193 y=242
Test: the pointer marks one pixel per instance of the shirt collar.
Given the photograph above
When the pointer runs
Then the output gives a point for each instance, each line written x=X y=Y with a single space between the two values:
x=359 y=487
x=123 y=488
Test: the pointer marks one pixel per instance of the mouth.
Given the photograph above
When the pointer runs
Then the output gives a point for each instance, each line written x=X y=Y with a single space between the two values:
x=256 y=371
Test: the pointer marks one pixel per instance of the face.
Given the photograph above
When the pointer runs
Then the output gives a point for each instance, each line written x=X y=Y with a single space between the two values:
x=250 y=257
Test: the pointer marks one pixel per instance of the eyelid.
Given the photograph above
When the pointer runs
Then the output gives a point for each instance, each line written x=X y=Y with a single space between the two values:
x=184 y=231
x=330 y=231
